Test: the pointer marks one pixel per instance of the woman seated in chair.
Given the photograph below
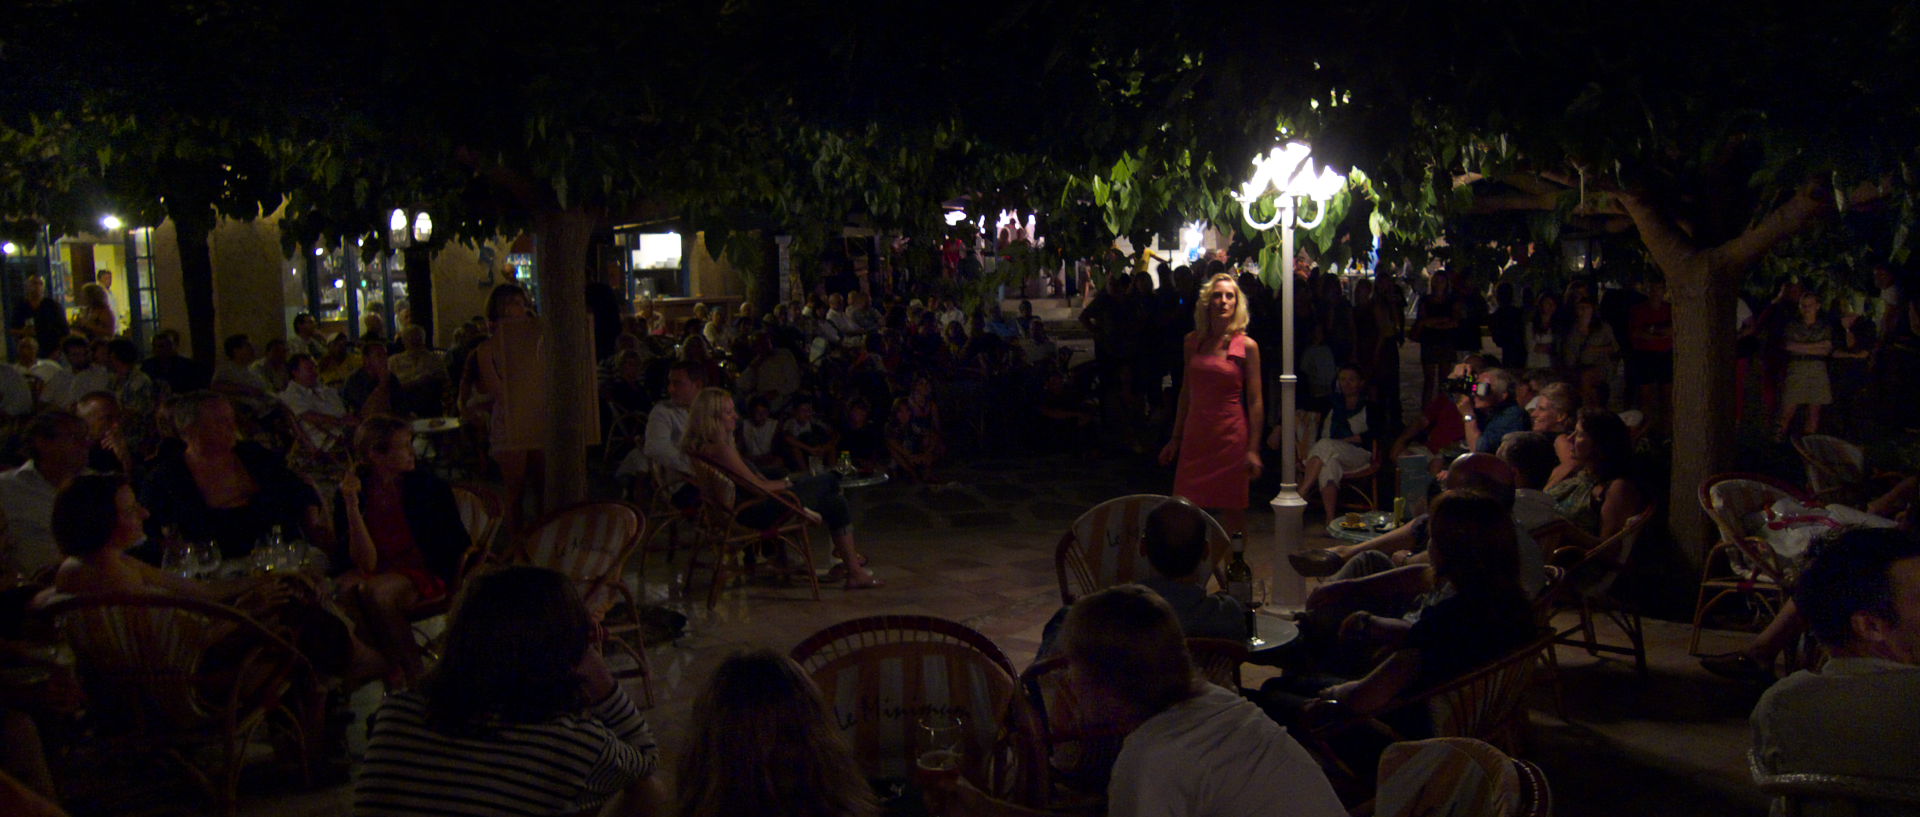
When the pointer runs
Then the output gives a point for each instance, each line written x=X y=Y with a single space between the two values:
x=1347 y=435
x=522 y=716
x=764 y=742
x=1592 y=487
x=96 y=520
x=219 y=489
x=711 y=428
x=401 y=538
x=1475 y=613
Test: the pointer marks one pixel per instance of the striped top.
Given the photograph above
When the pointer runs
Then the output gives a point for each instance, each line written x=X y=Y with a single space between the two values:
x=564 y=766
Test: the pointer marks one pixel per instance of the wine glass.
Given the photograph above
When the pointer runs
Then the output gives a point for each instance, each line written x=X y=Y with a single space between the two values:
x=206 y=559
x=938 y=762
x=177 y=558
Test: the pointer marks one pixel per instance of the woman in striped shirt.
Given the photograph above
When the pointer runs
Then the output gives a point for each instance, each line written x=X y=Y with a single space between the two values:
x=522 y=716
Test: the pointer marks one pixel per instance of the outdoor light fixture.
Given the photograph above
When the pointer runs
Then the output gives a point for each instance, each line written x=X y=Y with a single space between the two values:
x=401 y=235
x=397 y=227
x=110 y=222
x=954 y=217
x=422 y=227
x=1286 y=173
x=9 y=248
x=319 y=252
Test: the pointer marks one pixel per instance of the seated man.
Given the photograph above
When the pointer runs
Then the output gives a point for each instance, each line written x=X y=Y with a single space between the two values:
x=1173 y=537
x=373 y=388
x=422 y=373
x=321 y=414
x=1489 y=414
x=1191 y=748
x=1438 y=433
x=1855 y=716
x=661 y=456
x=1531 y=455
x=238 y=379
x=56 y=443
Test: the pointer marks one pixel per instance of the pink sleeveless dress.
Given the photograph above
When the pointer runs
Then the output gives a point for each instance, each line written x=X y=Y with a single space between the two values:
x=1213 y=444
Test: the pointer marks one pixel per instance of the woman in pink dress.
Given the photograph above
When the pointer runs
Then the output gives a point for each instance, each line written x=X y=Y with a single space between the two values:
x=1217 y=432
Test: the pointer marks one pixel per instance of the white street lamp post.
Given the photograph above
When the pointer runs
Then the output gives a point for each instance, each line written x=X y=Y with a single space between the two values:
x=1287 y=173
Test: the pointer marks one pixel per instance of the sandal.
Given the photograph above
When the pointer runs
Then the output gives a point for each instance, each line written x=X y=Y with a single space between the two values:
x=868 y=583
x=1316 y=563
x=839 y=569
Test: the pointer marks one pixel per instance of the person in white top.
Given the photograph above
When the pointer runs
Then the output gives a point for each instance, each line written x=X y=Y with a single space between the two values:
x=28 y=361
x=661 y=454
x=321 y=412
x=75 y=359
x=58 y=444
x=1532 y=457
x=1191 y=748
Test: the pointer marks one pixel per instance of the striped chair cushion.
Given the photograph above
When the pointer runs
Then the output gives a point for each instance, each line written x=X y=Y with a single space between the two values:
x=880 y=692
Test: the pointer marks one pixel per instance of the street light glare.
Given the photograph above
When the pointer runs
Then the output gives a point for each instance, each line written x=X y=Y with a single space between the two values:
x=110 y=222
x=9 y=248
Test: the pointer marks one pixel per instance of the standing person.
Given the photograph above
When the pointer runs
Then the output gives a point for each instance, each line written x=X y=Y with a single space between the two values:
x=96 y=319
x=514 y=378
x=1507 y=327
x=39 y=317
x=1542 y=332
x=712 y=427
x=1650 y=366
x=1434 y=327
x=521 y=716
x=1390 y=316
x=1807 y=343
x=1589 y=341
x=764 y=742
x=1216 y=435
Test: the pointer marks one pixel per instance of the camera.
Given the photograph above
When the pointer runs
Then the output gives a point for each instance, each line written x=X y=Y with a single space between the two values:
x=1467 y=385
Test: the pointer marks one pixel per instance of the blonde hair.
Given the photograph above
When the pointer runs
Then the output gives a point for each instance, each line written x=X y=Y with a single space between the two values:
x=94 y=295
x=1237 y=325
x=703 y=420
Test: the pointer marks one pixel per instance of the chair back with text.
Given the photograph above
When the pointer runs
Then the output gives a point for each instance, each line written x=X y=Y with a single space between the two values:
x=1102 y=549
x=882 y=674
x=588 y=542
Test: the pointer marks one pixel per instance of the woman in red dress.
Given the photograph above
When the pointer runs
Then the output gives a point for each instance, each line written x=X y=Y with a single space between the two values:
x=1217 y=431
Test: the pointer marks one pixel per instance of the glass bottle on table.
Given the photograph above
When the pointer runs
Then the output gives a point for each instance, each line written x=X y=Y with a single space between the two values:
x=1239 y=577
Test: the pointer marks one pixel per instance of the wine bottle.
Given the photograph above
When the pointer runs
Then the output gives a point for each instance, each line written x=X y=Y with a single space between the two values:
x=1239 y=574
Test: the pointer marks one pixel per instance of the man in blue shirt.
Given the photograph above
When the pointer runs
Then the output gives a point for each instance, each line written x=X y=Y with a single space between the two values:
x=1490 y=413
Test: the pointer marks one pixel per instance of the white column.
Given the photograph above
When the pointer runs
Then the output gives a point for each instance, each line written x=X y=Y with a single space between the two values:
x=1289 y=588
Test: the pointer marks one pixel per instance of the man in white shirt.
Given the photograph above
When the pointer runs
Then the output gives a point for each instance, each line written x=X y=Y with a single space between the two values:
x=1857 y=714
x=58 y=444
x=661 y=454
x=236 y=377
x=61 y=390
x=27 y=359
x=322 y=414
x=1532 y=456
x=1191 y=748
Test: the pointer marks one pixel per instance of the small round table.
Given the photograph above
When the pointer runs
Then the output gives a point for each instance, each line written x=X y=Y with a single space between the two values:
x=1271 y=632
x=1377 y=522
x=859 y=480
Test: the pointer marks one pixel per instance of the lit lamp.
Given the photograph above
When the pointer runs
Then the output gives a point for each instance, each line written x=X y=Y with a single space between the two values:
x=1287 y=174
x=111 y=222
x=411 y=233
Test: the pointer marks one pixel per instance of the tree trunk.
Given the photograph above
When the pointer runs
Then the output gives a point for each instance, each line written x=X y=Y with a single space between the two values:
x=562 y=266
x=419 y=269
x=191 y=227
x=1703 y=397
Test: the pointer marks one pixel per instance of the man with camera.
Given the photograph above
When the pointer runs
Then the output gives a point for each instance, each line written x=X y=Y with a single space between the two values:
x=1487 y=408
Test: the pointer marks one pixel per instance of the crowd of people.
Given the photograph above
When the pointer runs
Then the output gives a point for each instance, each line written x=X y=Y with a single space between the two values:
x=126 y=463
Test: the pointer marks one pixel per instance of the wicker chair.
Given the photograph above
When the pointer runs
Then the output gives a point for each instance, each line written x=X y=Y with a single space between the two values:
x=1740 y=565
x=590 y=543
x=721 y=500
x=1588 y=578
x=1836 y=469
x=1102 y=549
x=1804 y=793
x=177 y=676
x=1458 y=776
x=481 y=512
x=626 y=431
x=881 y=674
x=1484 y=704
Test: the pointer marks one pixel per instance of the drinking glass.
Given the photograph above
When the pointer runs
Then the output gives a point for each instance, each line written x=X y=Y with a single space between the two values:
x=937 y=766
x=178 y=559
x=206 y=559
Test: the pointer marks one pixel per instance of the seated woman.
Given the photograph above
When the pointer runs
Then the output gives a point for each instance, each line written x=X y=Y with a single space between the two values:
x=1597 y=496
x=521 y=716
x=96 y=520
x=222 y=490
x=1347 y=435
x=914 y=446
x=764 y=742
x=1475 y=612
x=401 y=538
x=711 y=427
